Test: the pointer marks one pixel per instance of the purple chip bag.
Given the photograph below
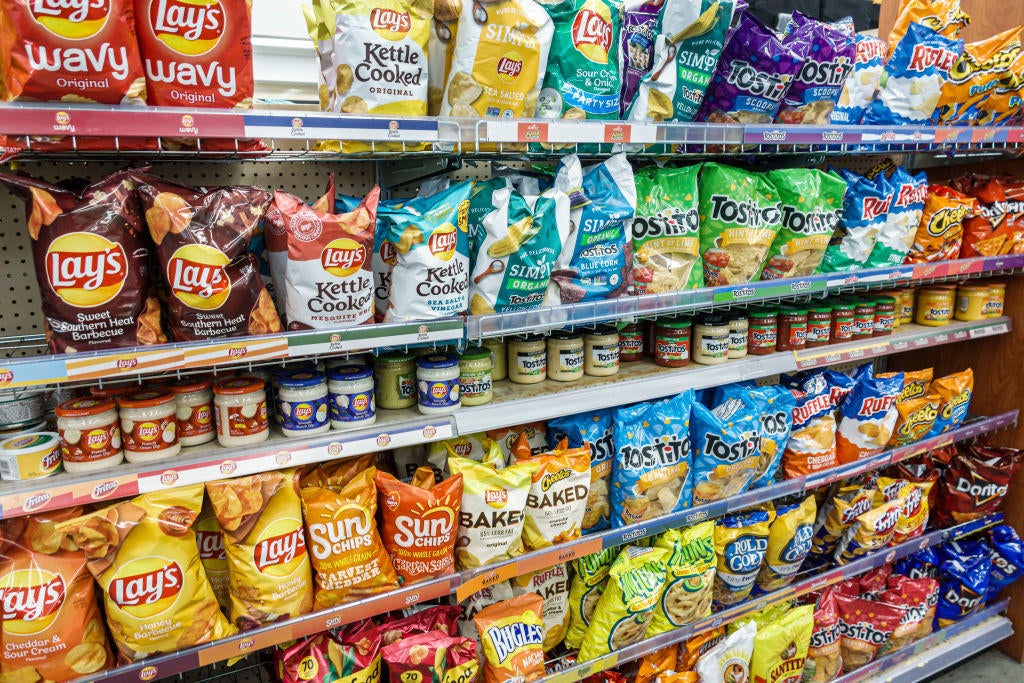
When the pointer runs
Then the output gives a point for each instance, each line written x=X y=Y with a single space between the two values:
x=831 y=53
x=639 y=28
x=752 y=76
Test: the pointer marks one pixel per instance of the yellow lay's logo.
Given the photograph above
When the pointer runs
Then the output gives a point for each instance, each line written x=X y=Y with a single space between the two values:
x=31 y=600
x=146 y=586
x=390 y=22
x=592 y=32
x=197 y=277
x=280 y=549
x=71 y=19
x=85 y=269
x=189 y=27
x=343 y=257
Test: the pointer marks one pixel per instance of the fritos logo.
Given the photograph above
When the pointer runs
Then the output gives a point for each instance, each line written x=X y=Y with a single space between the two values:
x=390 y=23
x=496 y=498
x=510 y=66
x=342 y=257
x=146 y=586
x=31 y=599
x=71 y=19
x=280 y=548
x=442 y=242
x=592 y=32
x=189 y=27
x=197 y=278
x=85 y=270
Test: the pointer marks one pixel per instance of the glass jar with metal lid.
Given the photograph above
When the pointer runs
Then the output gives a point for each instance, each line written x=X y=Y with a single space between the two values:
x=351 y=397
x=739 y=328
x=792 y=329
x=819 y=326
x=241 y=414
x=565 y=356
x=193 y=403
x=672 y=342
x=527 y=359
x=631 y=343
x=396 y=380
x=475 y=386
x=601 y=351
x=90 y=434
x=885 y=316
x=762 y=332
x=149 y=425
x=499 y=357
x=863 y=318
x=437 y=383
x=844 y=320
x=711 y=340
x=302 y=403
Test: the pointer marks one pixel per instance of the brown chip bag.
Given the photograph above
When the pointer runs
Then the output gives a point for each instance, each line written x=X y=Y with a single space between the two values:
x=210 y=540
x=144 y=557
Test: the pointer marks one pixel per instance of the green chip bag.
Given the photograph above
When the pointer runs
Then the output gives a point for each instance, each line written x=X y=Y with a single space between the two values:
x=588 y=582
x=690 y=574
x=812 y=203
x=740 y=214
x=666 y=233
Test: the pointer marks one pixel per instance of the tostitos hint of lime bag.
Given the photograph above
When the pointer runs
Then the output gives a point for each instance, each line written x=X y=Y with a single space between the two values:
x=812 y=202
x=666 y=231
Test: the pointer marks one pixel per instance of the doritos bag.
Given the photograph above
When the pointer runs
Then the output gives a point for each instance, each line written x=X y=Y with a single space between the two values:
x=726 y=449
x=940 y=233
x=974 y=486
x=261 y=517
x=689 y=577
x=52 y=627
x=868 y=415
x=963 y=585
x=740 y=544
x=954 y=399
x=558 y=493
x=1007 y=557
x=789 y=542
x=492 y=513
x=143 y=554
x=593 y=430
x=512 y=635
x=924 y=564
x=91 y=263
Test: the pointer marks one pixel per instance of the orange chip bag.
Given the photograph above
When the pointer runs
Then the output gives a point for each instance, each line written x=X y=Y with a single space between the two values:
x=51 y=622
x=144 y=557
x=210 y=540
x=420 y=524
x=940 y=234
x=268 y=566
x=558 y=494
x=336 y=472
x=70 y=51
x=657 y=662
x=915 y=420
x=1005 y=102
x=512 y=636
x=695 y=647
x=942 y=16
x=348 y=555
x=974 y=76
x=915 y=384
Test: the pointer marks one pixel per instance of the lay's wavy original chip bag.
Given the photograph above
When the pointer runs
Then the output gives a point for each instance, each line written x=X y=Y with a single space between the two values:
x=512 y=636
x=740 y=544
x=143 y=555
x=690 y=574
x=493 y=509
x=789 y=541
x=651 y=475
x=593 y=430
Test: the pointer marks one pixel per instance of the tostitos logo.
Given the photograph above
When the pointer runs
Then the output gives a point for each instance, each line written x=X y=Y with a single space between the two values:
x=342 y=257
x=592 y=32
x=442 y=242
x=85 y=269
x=189 y=27
x=390 y=22
x=146 y=586
x=510 y=66
x=31 y=600
x=197 y=277
x=71 y=19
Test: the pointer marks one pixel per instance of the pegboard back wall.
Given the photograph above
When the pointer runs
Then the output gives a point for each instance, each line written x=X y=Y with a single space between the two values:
x=20 y=309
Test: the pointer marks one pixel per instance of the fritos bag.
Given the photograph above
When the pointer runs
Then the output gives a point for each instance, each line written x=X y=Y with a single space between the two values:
x=789 y=542
x=593 y=430
x=781 y=647
x=870 y=532
x=840 y=510
x=940 y=234
x=70 y=51
x=588 y=582
x=210 y=540
x=91 y=263
x=666 y=232
x=552 y=584
x=202 y=239
x=689 y=576
x=419 y=525
x=512 y=635
x=561 y=481
x=865 y=628
x=812 y=204
x=144 y=557
x=954 y=399
x=350 y=560
x=261 y=518
x=741 y=541
x=824 y=660
x=52 y=627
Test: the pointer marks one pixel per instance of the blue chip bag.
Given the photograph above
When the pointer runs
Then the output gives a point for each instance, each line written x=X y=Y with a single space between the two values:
x=1007 y=556
x=868 y=415
x=651 y=474
x=741 y=541
x=861 y=85
x=911 y=84
x=593 y=429
x=775 y=404
x=924 y=564
x=726 y=445
x=865 y=208
x=963 y=585
x=897 y=235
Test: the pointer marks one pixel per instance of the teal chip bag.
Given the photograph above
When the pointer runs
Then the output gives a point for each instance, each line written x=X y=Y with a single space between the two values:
x=812 y=203
x=666 y=231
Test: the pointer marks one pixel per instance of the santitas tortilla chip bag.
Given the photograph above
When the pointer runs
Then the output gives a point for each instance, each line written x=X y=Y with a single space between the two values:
x=144 y=557
x=512 y=636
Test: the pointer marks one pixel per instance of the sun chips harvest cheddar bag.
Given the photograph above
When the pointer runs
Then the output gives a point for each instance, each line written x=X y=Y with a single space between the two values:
x=70 y=51
x=261 y=517
x=144 y=557
x=690 y=574
x=52 y=627
x=91 y=263
x=512 y=635
x=492 y=515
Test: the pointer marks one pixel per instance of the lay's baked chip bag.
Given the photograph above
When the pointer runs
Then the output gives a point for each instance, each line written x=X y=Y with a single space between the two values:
x=954 y=393
x=690 y=574
x=593 y=430
x=492 y=514
x=512 y=635
x=143 y=555
x=789 y=542
x=740 y=543
x=588 y=582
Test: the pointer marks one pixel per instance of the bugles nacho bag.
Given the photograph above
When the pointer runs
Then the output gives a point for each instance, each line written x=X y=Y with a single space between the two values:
x=512 y=635
x=143 y=555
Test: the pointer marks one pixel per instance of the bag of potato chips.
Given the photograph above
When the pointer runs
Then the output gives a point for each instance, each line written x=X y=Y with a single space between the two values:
x=861 y=84
x=896 y=237
x=558 y=493
x=740 y=544
x=865 y=208
x=954 y=399
x=780 y=648
x=492 y=514
x=812 y=203
x=143 y=554
x=502 y=590
x=210 y=540
x=512 y=636
x=588 y=582
x=729 y=660
x=689 y=575
x=812 y=443
x=635 y=583
x=552 y=584
x=52 y=627
x=868 y=415
x=789 y=541
x=593 y=430
x=666 y=235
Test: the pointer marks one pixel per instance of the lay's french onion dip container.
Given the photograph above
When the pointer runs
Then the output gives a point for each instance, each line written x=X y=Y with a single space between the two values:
x=29 y=456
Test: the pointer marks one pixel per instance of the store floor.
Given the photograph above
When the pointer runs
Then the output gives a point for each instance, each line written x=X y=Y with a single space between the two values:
x=991 y=666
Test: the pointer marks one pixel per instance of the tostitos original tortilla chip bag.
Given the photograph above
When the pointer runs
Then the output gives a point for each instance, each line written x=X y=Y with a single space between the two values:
x=52 y=627
x=493 y=511
x=261 y=518
x=512 y=636
x=144 y=557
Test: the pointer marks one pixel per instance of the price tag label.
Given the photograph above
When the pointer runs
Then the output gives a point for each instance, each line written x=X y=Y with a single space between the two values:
x=558 y=555
x=485 y=579
x=241 y=351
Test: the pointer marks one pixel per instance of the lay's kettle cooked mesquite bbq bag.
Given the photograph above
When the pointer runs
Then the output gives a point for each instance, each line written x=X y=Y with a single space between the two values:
x=143 y=554
x=91 y=263
x=52 y=626
x=512 y=636
x=812 y=204
x=593 y=430
x=666 y=230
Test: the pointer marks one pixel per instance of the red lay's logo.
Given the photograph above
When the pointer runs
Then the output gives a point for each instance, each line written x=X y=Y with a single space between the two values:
x=592 y=33
x=149 y=588
x=510 y=66
x=32 y=596
x=343 y=257
x=189 y=27
x=279 y=550
x=390 y=23
x=85 y=269
x=197 y=278
x=211 y=545
x=442 y=242
x=71 y=19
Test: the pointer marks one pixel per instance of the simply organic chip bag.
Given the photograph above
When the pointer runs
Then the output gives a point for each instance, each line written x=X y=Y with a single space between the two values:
x=666 y=230
x=812 y=203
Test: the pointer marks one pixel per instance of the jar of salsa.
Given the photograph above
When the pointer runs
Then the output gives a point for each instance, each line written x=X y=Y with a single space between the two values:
x=934 y=306
x=763 y=330
x=672 y=342
x=631 y=343
x=864 y=318
x=885 y=316
x=843 y=317
x=792 y=329
x=819 y=326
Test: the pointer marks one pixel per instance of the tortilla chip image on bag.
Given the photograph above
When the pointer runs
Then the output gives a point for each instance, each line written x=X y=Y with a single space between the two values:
x=824 y=660
x=512 y=636
x=552 y=584
x=143 y=555
x=865 y=629
x=726 y=449
x=829 y=62
x=666 y=231
x=812 y=204
x=689 y=576
x=593 y=430
x=741 y=541
x=493 y=511
x=780 y=648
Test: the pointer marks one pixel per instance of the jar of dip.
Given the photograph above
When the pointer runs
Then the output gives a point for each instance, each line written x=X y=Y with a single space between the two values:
x=149 y=425
x=819 y=326
x=972 y=302
x=29 y=456
x=885 y=316
x=711 y=340
x=241 y=404
x=672 y=342
x=934 y=306
x=601 y=351
x=499 y=357
x=864 y=318
x=844 y=320
x=792 y=329
x=396 y=380
x=996 y=297
x=906 y=308
x=437 y=383
x=739 y=329
x=90 y=435
x=631 y=343
x=302 y=403
x=193 y=404
x=527 y=359
x=114 y=390
x=475 y=376
x=351 y=397
x=762 y=332
x=565 y=356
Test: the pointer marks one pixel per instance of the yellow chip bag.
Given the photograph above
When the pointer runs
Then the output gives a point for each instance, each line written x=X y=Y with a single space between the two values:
x=872 y=531
x=268 y=567
x=740 y=543
x=836 y=515
x=916 y=418
x=954 y=399
x=636 y=581
x=552 y=584
x=942 y=16
x=689 y=576
x=143 y=555
x=210 y=539
x=512 y=637
x=761 y=618
x=789 y=542
x=558 y=496
x=347 y=551
x=780 y=648
x=493 y=511
x=913 y=496
x=975 y=75
x=473 y=446
x=590 y=574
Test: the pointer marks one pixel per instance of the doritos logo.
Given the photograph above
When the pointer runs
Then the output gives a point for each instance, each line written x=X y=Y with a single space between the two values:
x=926 y=57
x=278 y=550
x=72 y=19
x=40 y=598
x=981 y=490
x=342 y=257
x=592 y=34
x=85 y=269
x=147 y=588
x=189 y=27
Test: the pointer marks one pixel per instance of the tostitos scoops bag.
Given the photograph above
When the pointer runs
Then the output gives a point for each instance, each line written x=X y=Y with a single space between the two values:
x=829 y=62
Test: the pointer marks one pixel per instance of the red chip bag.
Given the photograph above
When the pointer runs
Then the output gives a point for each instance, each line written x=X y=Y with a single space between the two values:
x=995 y=223
x=304 y=661
x=444 y=618
x=419 y=658
x=90 y=261
x=874 y=582
x=824 y=661
x=865 y=628
x=975 y=485
x=70 y=51
x=917 y=598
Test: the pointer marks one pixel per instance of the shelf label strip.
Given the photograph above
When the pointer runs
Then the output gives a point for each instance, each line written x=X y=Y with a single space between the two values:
x=242 y=351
